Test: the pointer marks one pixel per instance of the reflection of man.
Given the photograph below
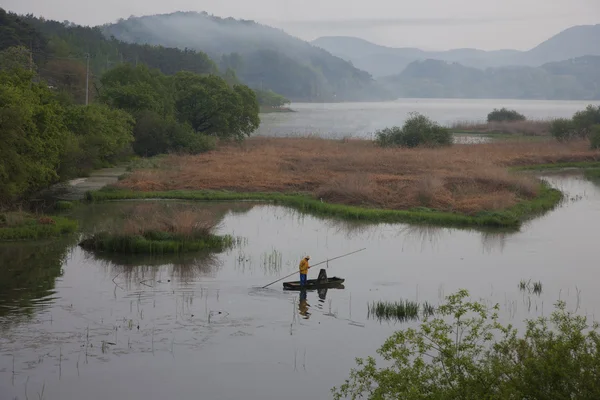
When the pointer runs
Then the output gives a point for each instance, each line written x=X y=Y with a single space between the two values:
x=303 y=305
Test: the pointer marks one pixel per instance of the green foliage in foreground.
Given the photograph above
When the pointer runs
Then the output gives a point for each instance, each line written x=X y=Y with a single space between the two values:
x=510 y=218
x=504 y=114
x=595 y=137
x=153 y=242
x=582 y=125
x=418 y=130
x=465 y=353
x=30 y=228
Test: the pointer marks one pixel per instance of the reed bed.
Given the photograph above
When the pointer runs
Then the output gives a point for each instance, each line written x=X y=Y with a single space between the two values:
x=401 y=311
x=160 y=229
x=465 y=179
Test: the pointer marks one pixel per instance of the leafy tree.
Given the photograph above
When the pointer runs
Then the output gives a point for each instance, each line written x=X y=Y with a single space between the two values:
x=465 y=353
x=136 y=89
x=595 y=137
x=584 y=120
x=32 y=135
x=214 y=108
x=68 y=76
x=17 y=57
x=157 y=135
x=418 y=130
x=103 y=134
x=504 y=114
x=270 y=99
x=562 y=129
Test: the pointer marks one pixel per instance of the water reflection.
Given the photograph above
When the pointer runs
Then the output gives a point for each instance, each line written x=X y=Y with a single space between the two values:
x=28 y=274
x=134 y=270
x=303 y=305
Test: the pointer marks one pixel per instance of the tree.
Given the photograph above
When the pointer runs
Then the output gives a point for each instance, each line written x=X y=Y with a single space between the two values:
x=136 y=89
x=418 y=130
x=32 y=135
x=584 y=120
x=214 y=108
x=17 y=57
x=68 y=76
x=505 y=115
x=465 y=353
x=103 y=134
x=158 y=135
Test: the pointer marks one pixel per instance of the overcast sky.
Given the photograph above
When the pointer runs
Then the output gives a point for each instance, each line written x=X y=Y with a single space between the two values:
x=428 y=24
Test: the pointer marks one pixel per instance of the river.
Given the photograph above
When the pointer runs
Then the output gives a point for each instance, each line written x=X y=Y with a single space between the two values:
x=76 y=326
x=339 y=120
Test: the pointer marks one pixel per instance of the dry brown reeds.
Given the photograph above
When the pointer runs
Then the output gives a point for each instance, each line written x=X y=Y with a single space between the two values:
x=465 y=178
x=527 y=128
x=177 y=219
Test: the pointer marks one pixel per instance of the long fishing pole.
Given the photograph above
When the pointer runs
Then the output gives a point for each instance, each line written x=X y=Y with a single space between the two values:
x=322 y=262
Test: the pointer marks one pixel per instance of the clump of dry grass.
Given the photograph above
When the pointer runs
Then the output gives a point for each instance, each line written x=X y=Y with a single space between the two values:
x=463 y=178
x=174 y=219
x=527 y=128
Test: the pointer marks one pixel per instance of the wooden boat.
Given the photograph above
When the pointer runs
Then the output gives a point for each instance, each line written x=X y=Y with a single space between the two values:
x=311 y=284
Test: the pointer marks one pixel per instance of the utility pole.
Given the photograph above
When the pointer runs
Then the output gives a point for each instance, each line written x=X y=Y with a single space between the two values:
x=87 y=78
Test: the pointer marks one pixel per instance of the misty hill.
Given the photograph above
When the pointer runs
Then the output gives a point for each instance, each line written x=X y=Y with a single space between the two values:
x=269 y=58
x=383 y=61
x=380 y=61
x=567 y=80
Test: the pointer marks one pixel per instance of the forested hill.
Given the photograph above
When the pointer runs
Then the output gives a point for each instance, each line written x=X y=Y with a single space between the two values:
x=63 y=40
x=576 y=79
x=263 y=57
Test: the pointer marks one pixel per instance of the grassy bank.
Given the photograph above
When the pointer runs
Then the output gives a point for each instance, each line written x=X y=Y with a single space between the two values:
x=154 y=242
x=559 y=165
x=22 y=226
x=512 y=217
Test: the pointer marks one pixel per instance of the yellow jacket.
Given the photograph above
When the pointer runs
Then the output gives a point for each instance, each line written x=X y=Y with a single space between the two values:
x=304 y=266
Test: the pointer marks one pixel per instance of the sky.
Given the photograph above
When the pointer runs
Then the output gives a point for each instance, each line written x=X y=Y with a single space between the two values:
x=427 y=24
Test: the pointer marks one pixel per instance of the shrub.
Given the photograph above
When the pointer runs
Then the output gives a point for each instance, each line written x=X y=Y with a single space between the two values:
x=595 y=137
x=418 y=130
x=465 y=353
x=562 y=129
x=583 y=121
x=505 y=115
x=159 y=135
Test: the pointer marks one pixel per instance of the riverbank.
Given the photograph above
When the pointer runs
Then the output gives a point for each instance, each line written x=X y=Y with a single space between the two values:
x=463 y=185
x=270 y=110
x=16 y=226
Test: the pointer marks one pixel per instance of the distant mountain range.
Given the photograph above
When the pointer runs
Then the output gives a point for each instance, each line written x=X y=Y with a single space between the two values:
x=261 y=56
x=384 y=61
x=575 y=79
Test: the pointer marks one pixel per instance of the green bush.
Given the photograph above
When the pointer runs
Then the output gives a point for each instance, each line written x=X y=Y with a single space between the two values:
x=595 y=137
x=465 y=353
x=418 y=130
x=504 y=114
x=562 y=129
x=159 y=135
x=583 y=121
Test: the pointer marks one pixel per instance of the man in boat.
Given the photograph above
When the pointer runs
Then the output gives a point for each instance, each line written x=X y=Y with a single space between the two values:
x=304 y=267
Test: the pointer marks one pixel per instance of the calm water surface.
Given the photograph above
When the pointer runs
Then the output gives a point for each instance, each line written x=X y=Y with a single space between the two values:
x=75 y=326
x=340 y=120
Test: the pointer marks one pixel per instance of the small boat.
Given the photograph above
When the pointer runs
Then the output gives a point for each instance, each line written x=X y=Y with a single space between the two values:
x=311 y=284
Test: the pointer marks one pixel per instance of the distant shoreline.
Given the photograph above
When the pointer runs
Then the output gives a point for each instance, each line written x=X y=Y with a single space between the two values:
x=270 y=110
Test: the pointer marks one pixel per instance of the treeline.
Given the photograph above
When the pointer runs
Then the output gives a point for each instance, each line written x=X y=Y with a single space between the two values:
x=60 y=50
x=45 y=136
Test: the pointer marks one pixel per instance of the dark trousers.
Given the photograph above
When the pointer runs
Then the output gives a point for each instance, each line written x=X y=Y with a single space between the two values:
x=303 y=279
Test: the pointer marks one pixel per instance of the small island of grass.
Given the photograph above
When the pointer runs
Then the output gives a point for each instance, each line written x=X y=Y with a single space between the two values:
x=25 y=226
x=152 y=229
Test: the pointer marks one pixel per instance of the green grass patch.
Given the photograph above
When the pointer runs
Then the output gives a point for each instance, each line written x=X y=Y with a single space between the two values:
x=22 y=226
x=154 y=242
x=63 y=205
x=401 y=311
x=562 y=165
x=592 y=174
x=510 y=218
